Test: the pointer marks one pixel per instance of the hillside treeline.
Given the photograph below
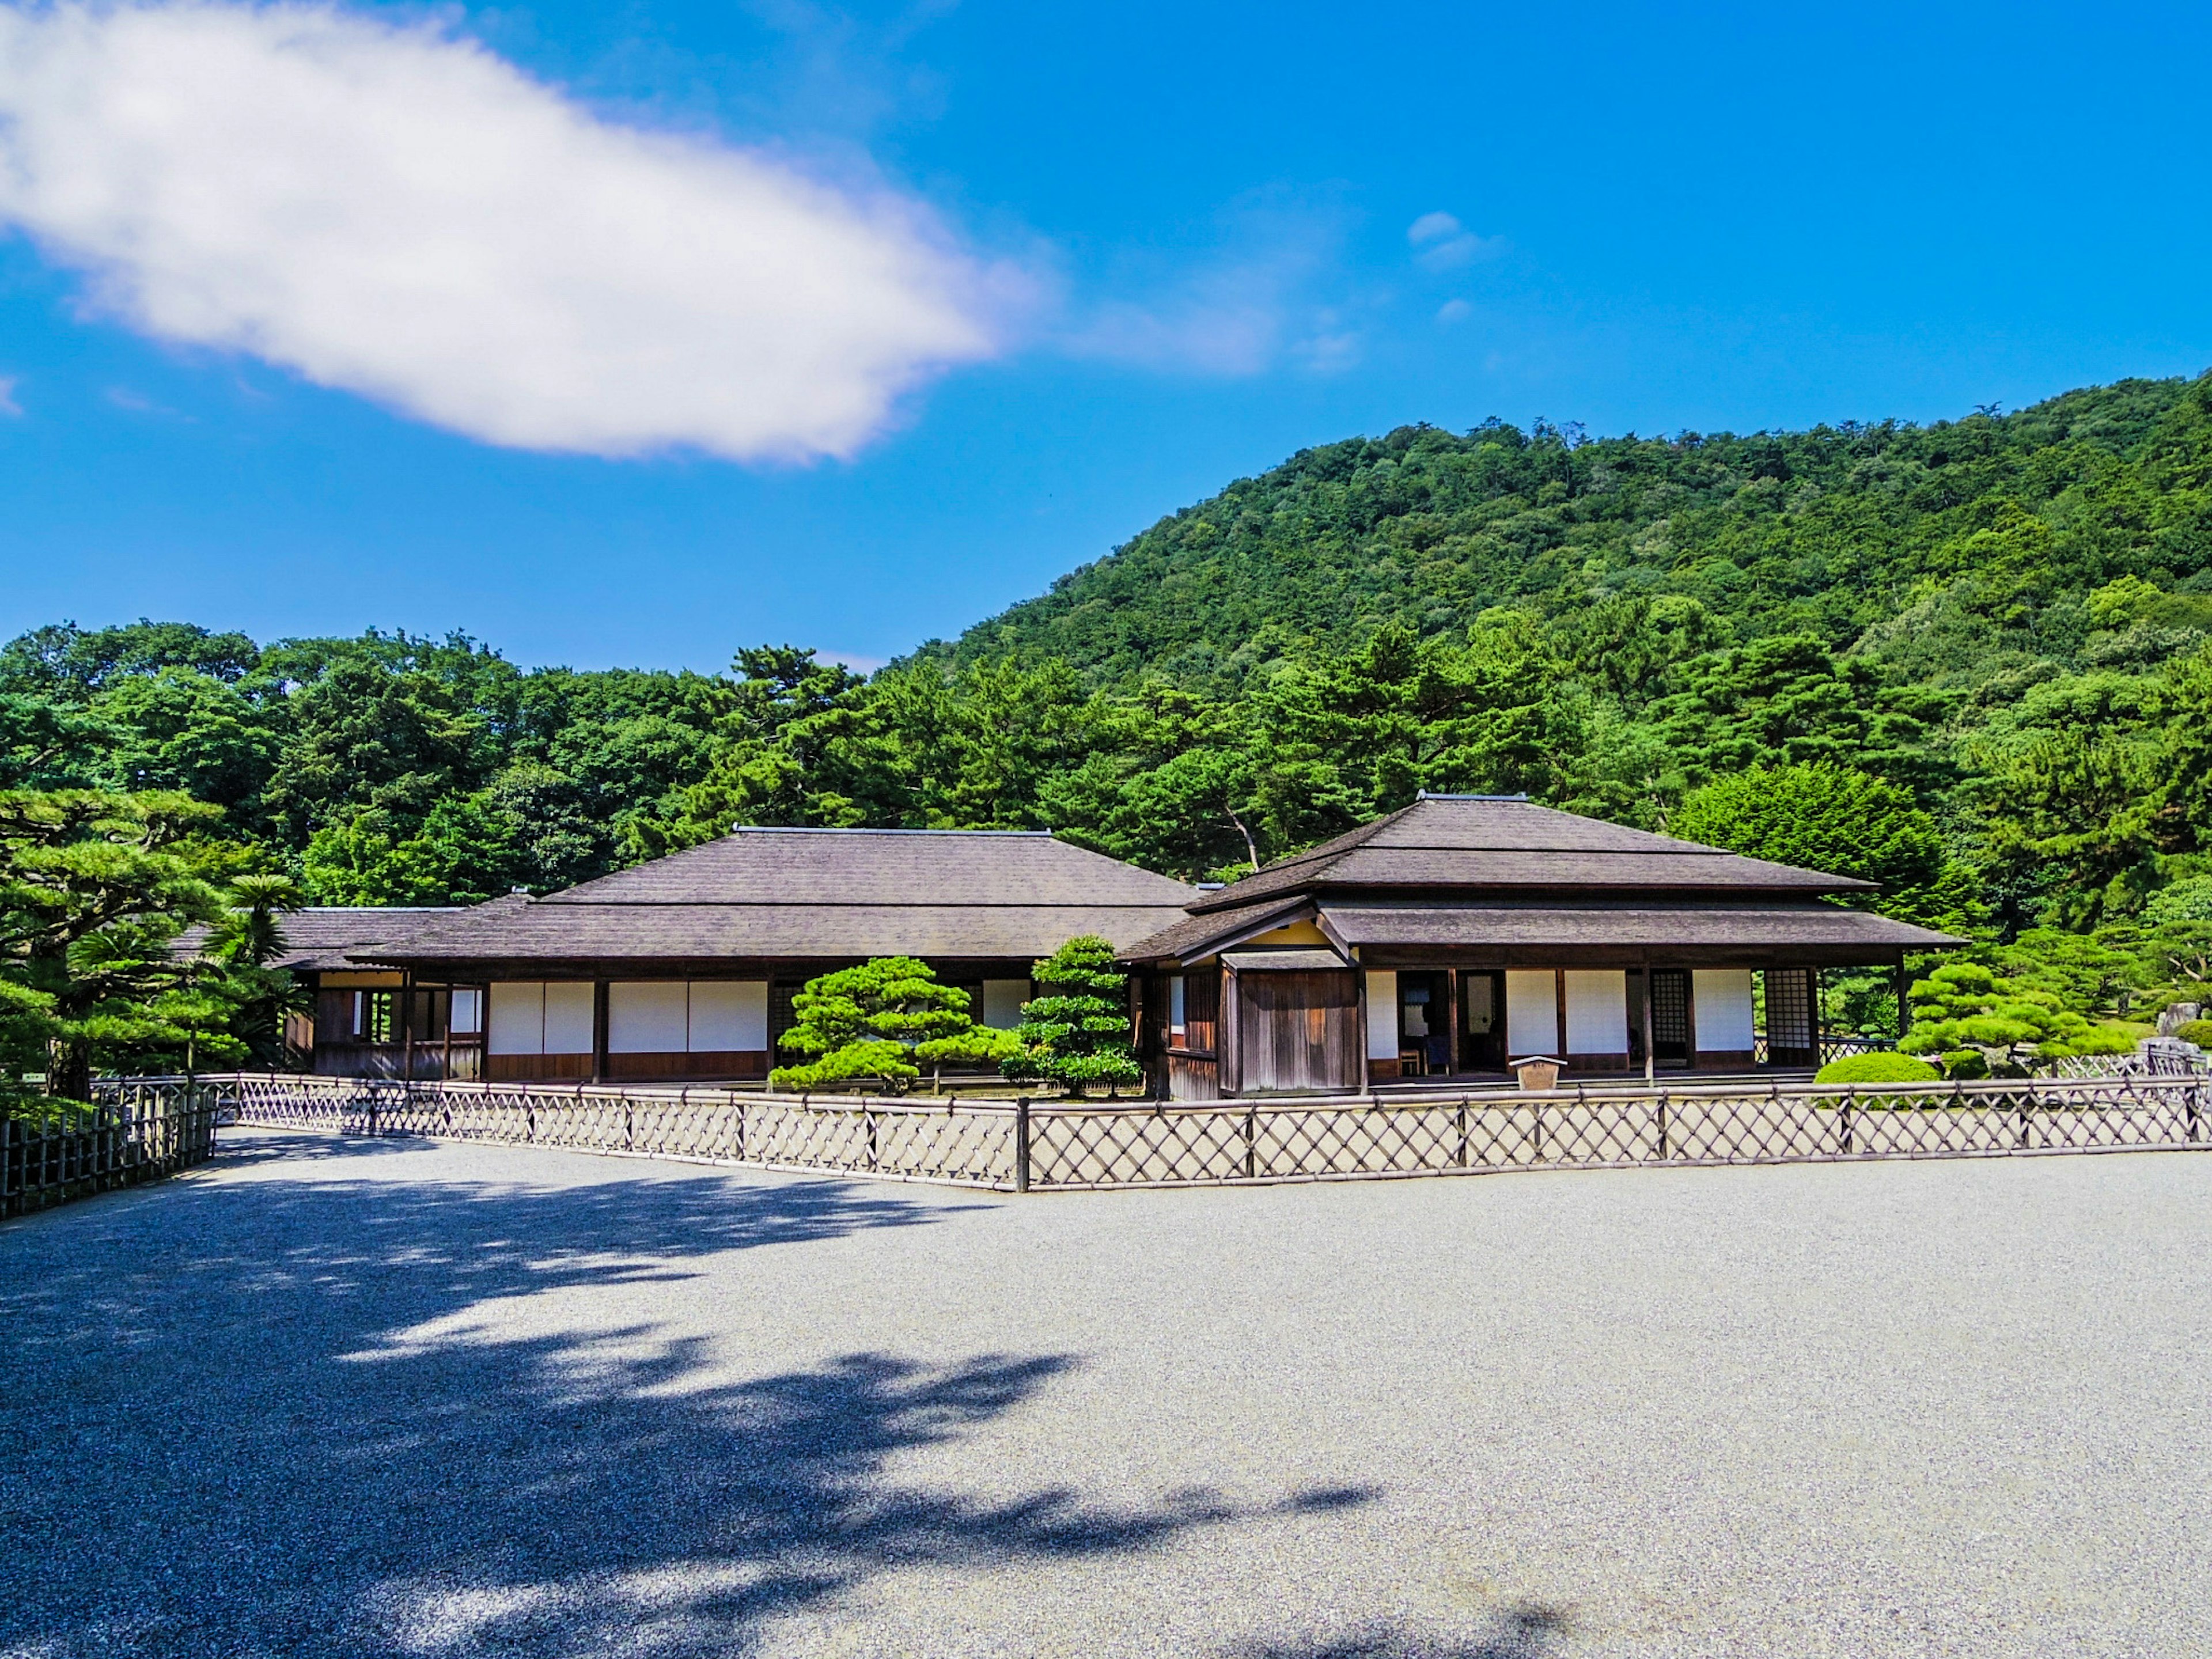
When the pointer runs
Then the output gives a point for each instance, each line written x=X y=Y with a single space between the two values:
x=1970 y=658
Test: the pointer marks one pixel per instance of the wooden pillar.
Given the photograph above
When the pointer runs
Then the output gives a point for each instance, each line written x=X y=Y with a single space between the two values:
x=1451 y=1019
x=407 y=1025
x=1560 y=1012
x=1903 y=1000
x=599 y=1031
x=1650 y=1058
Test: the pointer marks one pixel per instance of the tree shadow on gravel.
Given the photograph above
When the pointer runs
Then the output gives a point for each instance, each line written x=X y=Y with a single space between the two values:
x=1528 y=1631
x=215 y=1439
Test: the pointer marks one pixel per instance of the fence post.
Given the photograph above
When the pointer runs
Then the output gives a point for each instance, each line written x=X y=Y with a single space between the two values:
x=630 y=1127
x=1022 y=1145
x=2190 y=1095
x=868 y=1117
x=1662 y=1126
x=1462 y=1131
x=371 y=1110
x=1251 y=1141
x=1850 y=1097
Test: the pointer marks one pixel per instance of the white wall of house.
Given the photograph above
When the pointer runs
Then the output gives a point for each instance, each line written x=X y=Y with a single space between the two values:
x=518 y=1018
x=569 y=1017
x=729 y=1016
x=1721 y=997
x=648 y=1017
x=1532 y=1013
x=1597 y=1010
x=1381 y=1014
x=540 y=1017
x=1002 y=1003
x=674 y=1017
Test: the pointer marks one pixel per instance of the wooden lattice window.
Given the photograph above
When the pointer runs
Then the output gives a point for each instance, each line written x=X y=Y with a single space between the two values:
x=1789 y=1016
x=1670 y=1014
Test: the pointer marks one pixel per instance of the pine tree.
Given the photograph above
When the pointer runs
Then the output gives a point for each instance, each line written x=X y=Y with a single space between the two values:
x=1078 y=1033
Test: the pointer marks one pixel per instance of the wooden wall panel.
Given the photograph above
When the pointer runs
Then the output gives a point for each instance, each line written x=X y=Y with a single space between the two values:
x=1191 y=1078
x=1201 y=1009
x=733 y=1063
x=1298 y=1032
x=524 y=1068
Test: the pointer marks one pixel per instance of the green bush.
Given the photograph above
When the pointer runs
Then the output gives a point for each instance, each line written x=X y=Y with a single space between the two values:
x=1877 y=1068
x=2199 y=1032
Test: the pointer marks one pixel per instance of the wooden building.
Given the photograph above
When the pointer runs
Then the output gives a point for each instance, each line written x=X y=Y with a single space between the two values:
x=685 y=967
x=1450 y=939
x=360 y=1014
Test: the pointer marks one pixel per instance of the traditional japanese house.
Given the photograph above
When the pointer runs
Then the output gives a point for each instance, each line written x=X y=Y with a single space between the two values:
x=1466 y=932
x=685 y=967
x=360 y=1021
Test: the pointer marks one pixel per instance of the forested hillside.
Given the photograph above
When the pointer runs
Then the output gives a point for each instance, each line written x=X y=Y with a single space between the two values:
x=1969 y=660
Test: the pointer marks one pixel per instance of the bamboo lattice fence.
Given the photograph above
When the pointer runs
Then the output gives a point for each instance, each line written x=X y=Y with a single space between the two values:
x=1022 y=1147
x=137 y=1131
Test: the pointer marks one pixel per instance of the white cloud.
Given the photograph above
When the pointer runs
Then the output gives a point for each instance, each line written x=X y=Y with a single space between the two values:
x=7 y=404
x=1444 y=243
x=399 y=213
x=1454 y=311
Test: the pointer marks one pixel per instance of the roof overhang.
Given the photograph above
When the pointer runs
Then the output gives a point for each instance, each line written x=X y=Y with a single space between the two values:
x=1285 y=959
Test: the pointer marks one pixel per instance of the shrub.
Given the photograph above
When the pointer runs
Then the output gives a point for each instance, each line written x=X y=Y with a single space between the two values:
x=1877 y=1068
x=1078 y=1033
x=2199 y=1032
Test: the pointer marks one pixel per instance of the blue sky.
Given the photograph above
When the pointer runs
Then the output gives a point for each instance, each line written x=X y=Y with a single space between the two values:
x=1064 y=270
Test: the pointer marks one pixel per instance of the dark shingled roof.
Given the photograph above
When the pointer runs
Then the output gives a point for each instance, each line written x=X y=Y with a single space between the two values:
x=825 y=893
x=1657 y=928
x=323 y=937
x=1473 y=843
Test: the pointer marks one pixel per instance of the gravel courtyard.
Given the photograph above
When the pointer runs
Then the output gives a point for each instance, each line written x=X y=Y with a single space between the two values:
x=349 y=1397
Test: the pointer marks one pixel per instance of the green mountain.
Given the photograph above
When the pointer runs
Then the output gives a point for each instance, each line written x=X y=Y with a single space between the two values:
x=1953 y=552
x=1969 y=660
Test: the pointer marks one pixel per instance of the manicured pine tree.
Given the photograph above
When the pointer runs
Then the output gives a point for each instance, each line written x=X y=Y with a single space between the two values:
x=876 y=1021
x=1078 y=1033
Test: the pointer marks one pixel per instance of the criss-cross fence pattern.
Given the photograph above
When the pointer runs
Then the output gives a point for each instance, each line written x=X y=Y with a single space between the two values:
x=1021 y=1147
x=1834 y=1045
x=1073 y=1145
x=137 y=1132
x=958 y=1142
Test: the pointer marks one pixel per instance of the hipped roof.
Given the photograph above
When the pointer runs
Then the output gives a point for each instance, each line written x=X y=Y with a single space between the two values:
x=323 y=937
x=1487 y=842
x=825 y=893
x=1484 y=871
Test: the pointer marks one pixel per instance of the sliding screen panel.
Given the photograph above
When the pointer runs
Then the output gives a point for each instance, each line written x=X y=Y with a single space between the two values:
x=647 y=1017
x=569 y=1017
x=1532 y=1013
x=729 y=1016
x=518 y=1018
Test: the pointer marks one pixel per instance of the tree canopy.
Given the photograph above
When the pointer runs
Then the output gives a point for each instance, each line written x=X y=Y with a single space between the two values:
x=1971 y=661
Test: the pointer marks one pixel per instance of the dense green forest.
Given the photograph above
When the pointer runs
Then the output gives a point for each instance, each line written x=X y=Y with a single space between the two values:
x=1973 y=659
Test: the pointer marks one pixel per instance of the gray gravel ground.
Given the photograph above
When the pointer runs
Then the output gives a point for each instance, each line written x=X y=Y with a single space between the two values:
x=350 y=1397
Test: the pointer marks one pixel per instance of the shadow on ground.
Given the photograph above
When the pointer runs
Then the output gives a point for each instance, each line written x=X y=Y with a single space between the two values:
x=211 y=1443
x=1530 y=1631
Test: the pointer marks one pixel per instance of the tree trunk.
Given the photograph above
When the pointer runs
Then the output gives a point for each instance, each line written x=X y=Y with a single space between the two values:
x=69 y=1068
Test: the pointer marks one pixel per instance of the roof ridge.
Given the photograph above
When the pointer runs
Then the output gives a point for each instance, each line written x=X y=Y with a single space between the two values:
x=1335 y=847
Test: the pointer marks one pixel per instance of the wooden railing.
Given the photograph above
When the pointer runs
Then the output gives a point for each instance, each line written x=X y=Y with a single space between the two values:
x=137 y=1132
x=1023 y=1145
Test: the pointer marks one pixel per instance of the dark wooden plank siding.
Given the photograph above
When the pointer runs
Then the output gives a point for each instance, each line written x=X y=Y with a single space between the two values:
x=1297 y=1032
x=1190 y=1079
x=1201 y=1009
